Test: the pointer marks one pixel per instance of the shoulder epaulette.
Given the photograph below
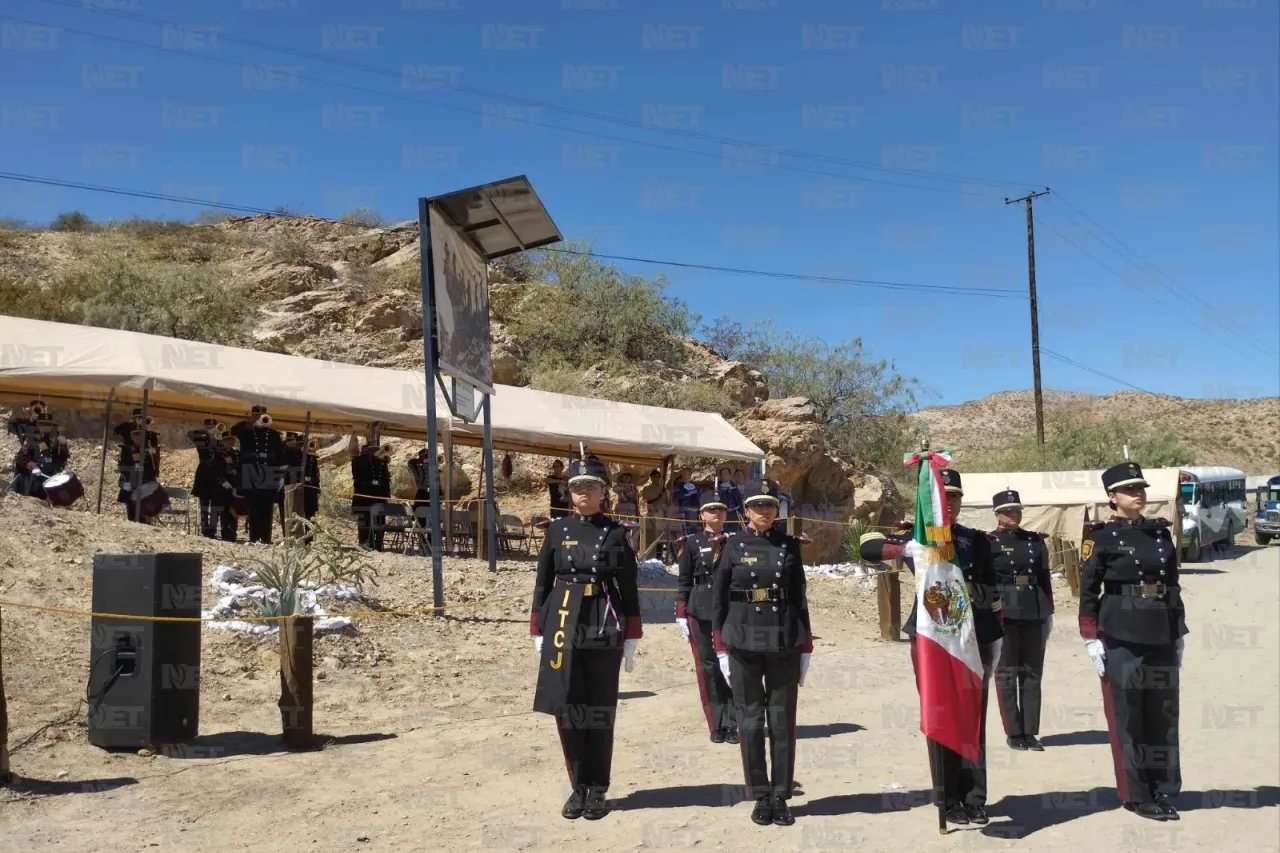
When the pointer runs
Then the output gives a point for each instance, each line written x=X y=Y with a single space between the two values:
x=720 y=538
x=1095 y=525
x=544 y=524
x=628 y=524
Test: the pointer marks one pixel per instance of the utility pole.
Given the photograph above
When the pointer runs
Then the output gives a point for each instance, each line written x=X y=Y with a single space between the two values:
x=1035 y=313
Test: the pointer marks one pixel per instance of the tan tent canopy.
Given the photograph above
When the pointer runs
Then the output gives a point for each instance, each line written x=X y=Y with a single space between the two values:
x=1058 y=503
x=77 y=367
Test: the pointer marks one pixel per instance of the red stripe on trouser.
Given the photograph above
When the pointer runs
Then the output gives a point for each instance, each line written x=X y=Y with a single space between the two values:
x=699 y=671
x=791 y=739
x=1113 y=733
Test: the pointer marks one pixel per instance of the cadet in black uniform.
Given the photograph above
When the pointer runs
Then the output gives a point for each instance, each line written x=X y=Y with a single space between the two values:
x=763 y=640
x=226 y=471
x=422 y=485
x=261 y=470
x=371 y=485
x=1021 y=561
x=965 y=782
x=695 y=611
x=131 y=459
x=207 y=485
x=1132 y=621
x=310 y=481
x=586 y=601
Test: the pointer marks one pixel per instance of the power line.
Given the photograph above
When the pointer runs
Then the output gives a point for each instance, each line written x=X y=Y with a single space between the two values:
x=989 y=292
x=1085 y=367
x=1174 y=285
x=572 y=111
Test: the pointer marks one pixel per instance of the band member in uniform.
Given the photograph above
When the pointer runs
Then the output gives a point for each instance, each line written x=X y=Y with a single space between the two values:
x=124 y=430
x=763 y=639
x=586 y=601
x=1020 y=559
x=226 y=473
x=310 y=481
x=261 y=470
x=136 y=472
x=371 y=486
x=41 y=451
x=695 y=611
x=1132 y=621
x=422 y=485
x=207 y=484
x=964 y=782
x=557 y=491
x=686 y=496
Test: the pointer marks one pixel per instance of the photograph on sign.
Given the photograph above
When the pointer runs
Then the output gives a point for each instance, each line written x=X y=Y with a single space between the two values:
x=462 y=304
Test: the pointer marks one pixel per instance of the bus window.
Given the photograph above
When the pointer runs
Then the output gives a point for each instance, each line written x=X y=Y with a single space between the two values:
x=1187 y=494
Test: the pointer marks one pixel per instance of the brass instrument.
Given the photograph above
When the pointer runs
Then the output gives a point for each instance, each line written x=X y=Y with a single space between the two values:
x=313 y=445
x=385 y=452
x=38 y=410
x=137 y=419
x=264 y=420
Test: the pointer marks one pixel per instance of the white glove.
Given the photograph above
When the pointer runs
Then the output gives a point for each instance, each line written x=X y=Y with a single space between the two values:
x=723 y=657
x=126 y=487
x=1098 y=654
x=1180 y=645
x=629 y=653
x=804 y=667
x=537 y=647
x=684 y=627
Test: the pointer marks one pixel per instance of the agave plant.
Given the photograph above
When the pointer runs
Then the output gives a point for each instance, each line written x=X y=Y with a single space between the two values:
x=317 y=557
x=853 y=534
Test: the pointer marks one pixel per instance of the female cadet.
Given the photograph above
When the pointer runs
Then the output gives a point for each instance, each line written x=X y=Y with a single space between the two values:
x=1132 y=622
x=585 y=599
x=763 y=641
x=695 y=610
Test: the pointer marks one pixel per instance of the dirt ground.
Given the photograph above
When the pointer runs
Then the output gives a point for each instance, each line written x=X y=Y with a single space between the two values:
x=432 y=745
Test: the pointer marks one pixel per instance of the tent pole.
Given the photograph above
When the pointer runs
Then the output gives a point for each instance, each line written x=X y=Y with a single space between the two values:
x=490 y=514
x=427 y=276
x=448 y=488
x=144 y=447
x=102 y=461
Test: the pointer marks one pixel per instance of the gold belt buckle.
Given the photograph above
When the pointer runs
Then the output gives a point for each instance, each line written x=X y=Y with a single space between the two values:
x=1150 y=590
x=1023 y=580
x=758 y=595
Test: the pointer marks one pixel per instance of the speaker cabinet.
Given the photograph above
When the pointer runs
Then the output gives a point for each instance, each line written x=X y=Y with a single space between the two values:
x=144 y=676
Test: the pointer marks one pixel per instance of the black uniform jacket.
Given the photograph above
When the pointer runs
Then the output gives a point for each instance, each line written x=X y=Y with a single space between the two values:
x=127 y=464
x=973 y=557
x=207 y=447
x=697 y=565
x=1021 y=561
x=370 y=479
x=1129 y=583
x=261 y=457
x=591 y=551
x=759 y=591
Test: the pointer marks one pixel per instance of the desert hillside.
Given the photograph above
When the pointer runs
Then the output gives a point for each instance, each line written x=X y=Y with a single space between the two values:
x=1243 y=434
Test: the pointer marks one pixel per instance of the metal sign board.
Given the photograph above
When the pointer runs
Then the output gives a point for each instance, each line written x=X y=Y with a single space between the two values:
x=464 y=401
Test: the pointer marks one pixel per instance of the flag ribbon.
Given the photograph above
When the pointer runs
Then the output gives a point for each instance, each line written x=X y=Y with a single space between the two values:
x=932 y=520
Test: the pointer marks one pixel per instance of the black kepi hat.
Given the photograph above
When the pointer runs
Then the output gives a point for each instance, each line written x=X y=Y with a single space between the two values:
x=951 y=480
x=759 y=491
x=1124 y=474
x=588 y=471
x=1008 y=499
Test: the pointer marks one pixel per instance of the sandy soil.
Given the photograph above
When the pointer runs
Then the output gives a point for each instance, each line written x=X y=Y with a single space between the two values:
x=433 y=747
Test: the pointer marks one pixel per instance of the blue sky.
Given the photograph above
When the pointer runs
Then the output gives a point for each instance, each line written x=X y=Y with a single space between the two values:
x=1155 y=125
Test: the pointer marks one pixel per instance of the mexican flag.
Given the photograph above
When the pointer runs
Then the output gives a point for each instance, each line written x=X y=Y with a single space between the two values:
x=948 y=666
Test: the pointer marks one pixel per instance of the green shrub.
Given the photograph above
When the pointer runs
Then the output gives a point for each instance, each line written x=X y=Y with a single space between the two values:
x=74 y=221
x=1074 y=444
x=364 y=218
x=289 y=247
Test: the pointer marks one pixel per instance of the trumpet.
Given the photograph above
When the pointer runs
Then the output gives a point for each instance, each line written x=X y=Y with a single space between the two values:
x=385 y=452
x=264 y=420
x=137 y=419
x=38 y=410
x=312 y=445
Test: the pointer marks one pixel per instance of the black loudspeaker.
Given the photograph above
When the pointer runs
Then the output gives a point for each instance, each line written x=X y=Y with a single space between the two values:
x=144 y=676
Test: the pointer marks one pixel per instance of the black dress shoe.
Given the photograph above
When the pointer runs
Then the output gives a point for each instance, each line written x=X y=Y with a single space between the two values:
x=1033 y=743
x=595 y=808
x=977 y=814
x=573 y=806
x=1150 y=811
x=1016 y=742
x=956 y=814
x=781 y=813
x=717 y=736
x=1170 y=813
x=762 y=814
x=731 y=735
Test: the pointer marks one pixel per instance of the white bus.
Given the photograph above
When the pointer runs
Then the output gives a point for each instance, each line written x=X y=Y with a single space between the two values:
x=1214 y=507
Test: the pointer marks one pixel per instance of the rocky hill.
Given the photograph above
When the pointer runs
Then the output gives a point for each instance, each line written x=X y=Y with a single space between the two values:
x=351 y=293
x=1243 y=434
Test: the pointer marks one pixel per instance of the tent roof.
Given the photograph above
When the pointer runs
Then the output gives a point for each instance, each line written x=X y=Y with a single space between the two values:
x=78 y=366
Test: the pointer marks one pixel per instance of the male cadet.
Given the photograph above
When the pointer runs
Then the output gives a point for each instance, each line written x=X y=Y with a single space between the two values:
x=1021 y=562
x=965 y=782
x=205 y=488
x=695 y=610
x=371 y=486
x=261 y=477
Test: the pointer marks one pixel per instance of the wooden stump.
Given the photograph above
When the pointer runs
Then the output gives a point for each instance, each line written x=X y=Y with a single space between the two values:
x=889 y=604
x=296 y=701
x=5 y=775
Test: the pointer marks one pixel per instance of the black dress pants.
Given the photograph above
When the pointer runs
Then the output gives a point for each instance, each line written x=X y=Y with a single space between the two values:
x=1018 y=676
x=586 y=722
x=261 y=511
x=765 y=685
x=1140 y=697
x=713 y=690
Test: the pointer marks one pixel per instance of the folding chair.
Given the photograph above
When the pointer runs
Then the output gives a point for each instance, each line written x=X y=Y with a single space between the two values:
x=536 y=534
x=512 y=534
x=391 y=519
x=179 y=506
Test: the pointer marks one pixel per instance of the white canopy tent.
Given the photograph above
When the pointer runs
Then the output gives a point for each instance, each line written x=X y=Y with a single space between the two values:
x=1058 y=503
x=78 y=367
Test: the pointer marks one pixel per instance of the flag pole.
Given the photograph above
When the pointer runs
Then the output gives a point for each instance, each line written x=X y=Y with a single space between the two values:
x=935 y=749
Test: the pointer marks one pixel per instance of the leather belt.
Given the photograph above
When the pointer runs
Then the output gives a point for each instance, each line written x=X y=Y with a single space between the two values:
x=1023 y=580
x=589 y=588
x=757 y=595
x=1143 y=590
